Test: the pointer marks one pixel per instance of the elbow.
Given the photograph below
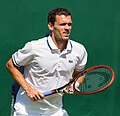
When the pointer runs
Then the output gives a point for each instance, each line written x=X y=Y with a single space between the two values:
x=9 y=64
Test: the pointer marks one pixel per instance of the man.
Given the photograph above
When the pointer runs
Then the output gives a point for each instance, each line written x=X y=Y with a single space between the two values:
x=48 y=64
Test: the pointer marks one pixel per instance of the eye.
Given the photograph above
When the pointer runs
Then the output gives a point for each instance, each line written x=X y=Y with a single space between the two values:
x=69 y=24
x=62 y=24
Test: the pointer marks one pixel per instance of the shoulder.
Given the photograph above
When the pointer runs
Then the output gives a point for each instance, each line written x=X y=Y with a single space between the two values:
x=78 y=48
x=77 y=45
x=34 y=44
x=39 y=41
x=80 y=51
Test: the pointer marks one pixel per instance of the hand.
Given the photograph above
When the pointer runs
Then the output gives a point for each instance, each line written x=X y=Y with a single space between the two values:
x=69 y=89
x=34 y=94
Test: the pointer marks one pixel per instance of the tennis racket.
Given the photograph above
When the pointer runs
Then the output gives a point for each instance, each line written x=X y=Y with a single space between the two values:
x=97 y=79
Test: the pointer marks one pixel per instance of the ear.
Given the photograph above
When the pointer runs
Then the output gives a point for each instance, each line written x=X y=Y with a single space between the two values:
x=50 y=26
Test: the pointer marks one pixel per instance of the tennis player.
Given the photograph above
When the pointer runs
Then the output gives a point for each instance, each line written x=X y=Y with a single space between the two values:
x=49 y=63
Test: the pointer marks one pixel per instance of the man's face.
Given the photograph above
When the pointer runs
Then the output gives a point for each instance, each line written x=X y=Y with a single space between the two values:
x=62 y=27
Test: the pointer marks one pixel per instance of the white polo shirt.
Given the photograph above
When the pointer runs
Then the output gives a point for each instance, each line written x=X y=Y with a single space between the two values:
x=47 y=68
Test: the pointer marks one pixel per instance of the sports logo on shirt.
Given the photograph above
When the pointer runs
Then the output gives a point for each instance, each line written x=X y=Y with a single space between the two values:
x=70 y=61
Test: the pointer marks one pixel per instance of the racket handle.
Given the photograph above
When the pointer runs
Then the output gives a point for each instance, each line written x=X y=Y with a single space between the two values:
x=47 y=93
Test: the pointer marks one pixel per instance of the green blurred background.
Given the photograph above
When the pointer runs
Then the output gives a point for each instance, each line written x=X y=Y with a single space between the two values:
x=96 y=24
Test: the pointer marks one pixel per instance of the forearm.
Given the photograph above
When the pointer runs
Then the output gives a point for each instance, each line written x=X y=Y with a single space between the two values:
x=81 y=79
x=17 y=75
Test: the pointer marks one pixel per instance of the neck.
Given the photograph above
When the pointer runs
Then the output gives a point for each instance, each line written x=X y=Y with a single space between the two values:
x=60 y=43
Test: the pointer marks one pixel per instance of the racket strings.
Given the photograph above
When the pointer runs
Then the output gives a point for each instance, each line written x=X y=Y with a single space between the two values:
x=95 y=80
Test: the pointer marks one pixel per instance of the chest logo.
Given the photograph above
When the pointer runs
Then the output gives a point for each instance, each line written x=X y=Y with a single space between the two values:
x=70 y=61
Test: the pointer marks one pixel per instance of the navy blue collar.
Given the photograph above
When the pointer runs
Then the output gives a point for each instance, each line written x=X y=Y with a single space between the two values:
x=52 y=46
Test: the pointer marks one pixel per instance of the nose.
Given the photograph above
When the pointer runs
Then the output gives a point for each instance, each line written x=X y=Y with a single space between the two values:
x=67 y=27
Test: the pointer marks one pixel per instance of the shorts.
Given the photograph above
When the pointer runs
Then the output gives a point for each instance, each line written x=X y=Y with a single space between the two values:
x=60 y=112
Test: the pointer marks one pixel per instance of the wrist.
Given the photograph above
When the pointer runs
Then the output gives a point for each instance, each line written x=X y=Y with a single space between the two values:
x=77 y=84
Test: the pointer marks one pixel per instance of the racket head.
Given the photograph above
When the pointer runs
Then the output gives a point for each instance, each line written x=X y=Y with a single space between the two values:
x=97 y=79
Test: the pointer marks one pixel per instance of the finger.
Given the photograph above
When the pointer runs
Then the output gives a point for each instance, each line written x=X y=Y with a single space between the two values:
x=41 y=96
x=70 y=79
x=68 y=91
x=65 y=91
x=33 y=97
x=36 y=97
x=71 y=91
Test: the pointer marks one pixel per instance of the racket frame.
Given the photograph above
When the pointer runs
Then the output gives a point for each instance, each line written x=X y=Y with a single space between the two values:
x=100 y=90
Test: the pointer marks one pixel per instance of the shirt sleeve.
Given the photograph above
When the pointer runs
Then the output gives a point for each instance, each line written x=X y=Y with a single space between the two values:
x=82 y=60
x=23 y=56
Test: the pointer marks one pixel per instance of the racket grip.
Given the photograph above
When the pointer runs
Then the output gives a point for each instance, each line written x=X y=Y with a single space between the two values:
x=47 y=93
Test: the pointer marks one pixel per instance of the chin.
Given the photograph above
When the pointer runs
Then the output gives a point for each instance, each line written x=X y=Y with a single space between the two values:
x=66 y=38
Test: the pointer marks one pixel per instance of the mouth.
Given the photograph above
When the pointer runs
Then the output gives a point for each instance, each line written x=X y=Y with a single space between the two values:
x=66 y=34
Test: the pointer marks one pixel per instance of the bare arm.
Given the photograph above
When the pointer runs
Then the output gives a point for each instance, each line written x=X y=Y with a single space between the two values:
x=80 y=80
x=69 y=89
x=17 y=75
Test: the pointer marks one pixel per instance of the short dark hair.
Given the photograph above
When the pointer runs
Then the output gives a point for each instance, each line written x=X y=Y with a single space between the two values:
x=58 y=11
